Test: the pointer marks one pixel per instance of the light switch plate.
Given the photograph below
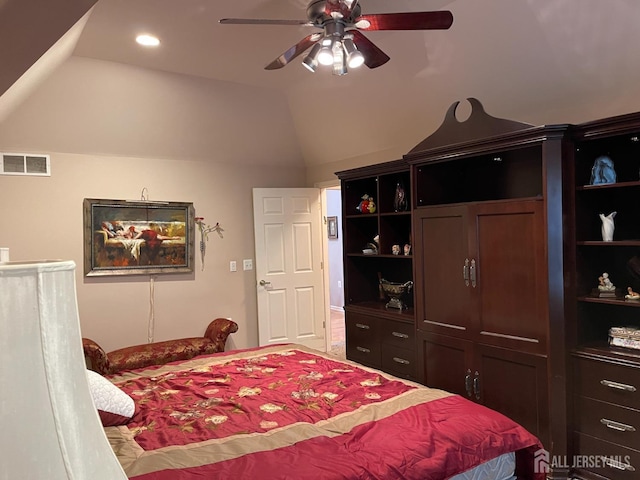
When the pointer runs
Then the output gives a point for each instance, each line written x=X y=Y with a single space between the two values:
x=247 y=264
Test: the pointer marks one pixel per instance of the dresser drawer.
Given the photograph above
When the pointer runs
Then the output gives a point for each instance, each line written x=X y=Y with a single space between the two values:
x=363 y=339
x=362 y=328
x=399 y=361
x=608 y=382
x=398 y=333
x=364 y=352
x=609 y=422
x=607 y=459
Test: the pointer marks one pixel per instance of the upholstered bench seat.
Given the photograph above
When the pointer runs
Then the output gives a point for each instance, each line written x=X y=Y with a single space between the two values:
x=158 y=353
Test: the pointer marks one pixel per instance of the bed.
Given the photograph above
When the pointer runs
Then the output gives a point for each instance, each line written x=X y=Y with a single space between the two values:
x=289 y=412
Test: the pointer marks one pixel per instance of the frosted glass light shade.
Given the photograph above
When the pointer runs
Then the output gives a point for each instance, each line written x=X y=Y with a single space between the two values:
x=50 y=427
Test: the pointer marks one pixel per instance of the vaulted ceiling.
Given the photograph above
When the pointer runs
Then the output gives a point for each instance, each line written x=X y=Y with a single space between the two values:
x=536 y=61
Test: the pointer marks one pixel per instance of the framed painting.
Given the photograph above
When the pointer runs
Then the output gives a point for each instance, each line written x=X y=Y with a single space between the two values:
x=332 y=227
x=124 y=237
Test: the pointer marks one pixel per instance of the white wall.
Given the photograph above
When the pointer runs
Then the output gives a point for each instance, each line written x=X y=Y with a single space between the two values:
x=336 y=268
x=113 y=130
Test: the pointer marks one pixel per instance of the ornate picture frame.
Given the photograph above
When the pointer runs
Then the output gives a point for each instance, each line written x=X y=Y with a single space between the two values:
x=124 y=237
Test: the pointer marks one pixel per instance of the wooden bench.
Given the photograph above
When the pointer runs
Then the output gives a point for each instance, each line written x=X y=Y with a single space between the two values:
x=158 y=353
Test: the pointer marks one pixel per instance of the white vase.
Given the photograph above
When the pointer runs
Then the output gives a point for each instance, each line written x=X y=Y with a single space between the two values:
x=50 y=427
x=607 y=226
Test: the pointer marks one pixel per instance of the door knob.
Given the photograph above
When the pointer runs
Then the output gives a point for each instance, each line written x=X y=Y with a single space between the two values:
x=263 y=283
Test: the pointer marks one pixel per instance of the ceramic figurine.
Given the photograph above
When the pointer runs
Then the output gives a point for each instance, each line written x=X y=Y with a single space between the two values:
x=605 y=283
x=607 y=226
x=366 y=205
x=631 y=295
x=395 y=249
x=602 y=171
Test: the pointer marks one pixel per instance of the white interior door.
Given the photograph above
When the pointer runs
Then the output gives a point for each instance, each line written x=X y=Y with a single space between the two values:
x=290 y=289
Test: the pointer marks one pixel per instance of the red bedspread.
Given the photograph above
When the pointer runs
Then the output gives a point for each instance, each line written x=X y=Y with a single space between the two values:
x=286 y=412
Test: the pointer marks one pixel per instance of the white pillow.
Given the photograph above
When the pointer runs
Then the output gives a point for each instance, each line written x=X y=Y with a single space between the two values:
x=114 y=406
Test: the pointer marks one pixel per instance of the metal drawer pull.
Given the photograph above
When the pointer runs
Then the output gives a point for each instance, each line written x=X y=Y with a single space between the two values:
x=472 y=273
x=363 y=350
x=401 y=360
x=618 y=386
x=465 y=272
x=363 y=326
x=612 y=462
x=399 y=335
x=467 y=383
x=621 y=427
x=476 y=385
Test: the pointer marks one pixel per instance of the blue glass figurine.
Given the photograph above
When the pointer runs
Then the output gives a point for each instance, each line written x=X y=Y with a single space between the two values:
x=602 y=171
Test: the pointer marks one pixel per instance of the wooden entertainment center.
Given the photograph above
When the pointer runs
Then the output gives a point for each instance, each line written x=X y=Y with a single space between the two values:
x=506 y=251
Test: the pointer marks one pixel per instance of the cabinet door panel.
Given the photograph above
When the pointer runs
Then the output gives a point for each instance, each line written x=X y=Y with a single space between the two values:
x=515 y=384
x=445 y=362
x=441 y=250
x=511 y=274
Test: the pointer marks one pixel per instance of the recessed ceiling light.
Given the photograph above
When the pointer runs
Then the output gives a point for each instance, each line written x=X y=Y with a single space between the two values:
x=148 y=40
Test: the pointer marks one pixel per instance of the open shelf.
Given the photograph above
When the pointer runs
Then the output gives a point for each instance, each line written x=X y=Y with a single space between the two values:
x=621 y=301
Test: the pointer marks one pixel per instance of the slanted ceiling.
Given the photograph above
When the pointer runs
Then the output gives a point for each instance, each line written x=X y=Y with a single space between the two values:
x=535 y=61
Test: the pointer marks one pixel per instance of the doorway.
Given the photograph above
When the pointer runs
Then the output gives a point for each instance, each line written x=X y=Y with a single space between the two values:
x=334 y=277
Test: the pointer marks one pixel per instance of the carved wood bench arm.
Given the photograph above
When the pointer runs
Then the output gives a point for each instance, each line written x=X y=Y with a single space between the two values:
x=95 y=357
x=218 y=331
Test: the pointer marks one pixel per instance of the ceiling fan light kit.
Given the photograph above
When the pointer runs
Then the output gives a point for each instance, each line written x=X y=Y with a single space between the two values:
x=342 y=45
x=355 y=58
x=311 y=60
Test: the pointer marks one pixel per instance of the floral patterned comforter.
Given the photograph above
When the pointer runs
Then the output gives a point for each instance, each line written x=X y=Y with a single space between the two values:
x=293 y=413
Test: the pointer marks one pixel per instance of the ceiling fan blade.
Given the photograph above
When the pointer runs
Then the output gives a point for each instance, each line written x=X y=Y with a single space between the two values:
x=373 y=56
x=263 y=21
x=440 y=20
x=294 y=51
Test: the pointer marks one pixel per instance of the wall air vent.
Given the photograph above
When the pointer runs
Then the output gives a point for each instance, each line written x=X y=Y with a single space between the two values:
x=25 y=164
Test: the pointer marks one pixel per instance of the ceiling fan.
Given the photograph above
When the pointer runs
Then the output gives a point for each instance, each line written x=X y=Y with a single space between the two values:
x=341 y=42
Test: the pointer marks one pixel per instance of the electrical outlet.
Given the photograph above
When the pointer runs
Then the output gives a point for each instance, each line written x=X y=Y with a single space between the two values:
x=233 y=267
x=247 y=264
x=339 y=283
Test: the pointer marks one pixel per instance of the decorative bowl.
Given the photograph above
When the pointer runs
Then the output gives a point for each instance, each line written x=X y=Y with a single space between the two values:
x=395 y=291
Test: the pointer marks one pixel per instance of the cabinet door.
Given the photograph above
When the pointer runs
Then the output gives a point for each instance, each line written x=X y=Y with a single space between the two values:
x=444 y=363
x=507 y=242
x=515 y=384
x=442 y=288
